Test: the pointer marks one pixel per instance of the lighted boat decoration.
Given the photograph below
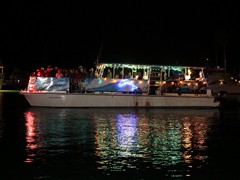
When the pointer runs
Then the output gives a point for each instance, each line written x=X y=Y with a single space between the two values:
x=146 y=86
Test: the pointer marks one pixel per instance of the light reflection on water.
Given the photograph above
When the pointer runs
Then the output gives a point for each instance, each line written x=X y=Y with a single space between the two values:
x=121 y=139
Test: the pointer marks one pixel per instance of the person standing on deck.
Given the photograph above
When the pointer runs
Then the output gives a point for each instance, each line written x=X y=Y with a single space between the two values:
x=121 y=75
x=109 y=73
x=59 y=73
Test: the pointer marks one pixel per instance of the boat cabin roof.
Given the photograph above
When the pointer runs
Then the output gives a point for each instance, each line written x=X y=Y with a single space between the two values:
x=144 y=66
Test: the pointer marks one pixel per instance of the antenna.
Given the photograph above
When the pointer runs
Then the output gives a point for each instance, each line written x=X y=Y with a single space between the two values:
x=99 y=54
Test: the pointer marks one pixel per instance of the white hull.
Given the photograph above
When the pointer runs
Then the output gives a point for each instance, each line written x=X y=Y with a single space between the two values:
x=56 y=99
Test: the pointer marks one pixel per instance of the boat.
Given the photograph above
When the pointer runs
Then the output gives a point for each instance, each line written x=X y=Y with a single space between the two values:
x=147 y=86
x=17 y=80
x=223 y=85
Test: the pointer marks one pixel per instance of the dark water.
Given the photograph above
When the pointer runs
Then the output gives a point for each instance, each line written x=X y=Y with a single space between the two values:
x=64 y=143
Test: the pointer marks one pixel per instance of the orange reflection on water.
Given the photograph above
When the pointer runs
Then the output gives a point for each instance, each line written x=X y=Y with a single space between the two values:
x=194 y=133
x=105 y=138
x=30 y=135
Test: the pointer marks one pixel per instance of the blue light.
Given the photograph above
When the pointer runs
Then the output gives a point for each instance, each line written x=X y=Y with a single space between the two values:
x=127 y=82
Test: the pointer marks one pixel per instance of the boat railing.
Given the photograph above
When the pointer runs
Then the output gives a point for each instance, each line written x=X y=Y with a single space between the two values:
x=52 y=84
x=124 y=86
x=48 y=84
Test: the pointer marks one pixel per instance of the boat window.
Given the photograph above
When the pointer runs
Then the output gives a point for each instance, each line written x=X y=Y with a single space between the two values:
x=217 y=82
x=223 y=82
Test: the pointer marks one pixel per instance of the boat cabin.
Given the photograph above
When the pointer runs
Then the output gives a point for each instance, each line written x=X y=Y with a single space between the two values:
x=160 y=78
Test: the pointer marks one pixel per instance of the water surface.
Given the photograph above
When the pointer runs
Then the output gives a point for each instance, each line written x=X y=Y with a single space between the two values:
x=75 y=143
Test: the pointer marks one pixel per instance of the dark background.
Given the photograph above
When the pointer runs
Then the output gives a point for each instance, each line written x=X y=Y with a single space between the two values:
x=69 y=34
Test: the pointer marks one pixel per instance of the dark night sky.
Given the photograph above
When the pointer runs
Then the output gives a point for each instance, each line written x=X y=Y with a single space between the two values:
x=64 y=33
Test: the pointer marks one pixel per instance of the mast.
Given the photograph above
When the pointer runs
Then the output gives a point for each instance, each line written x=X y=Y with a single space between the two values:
x=45 y=54
x=224 y=57
x=99 y=54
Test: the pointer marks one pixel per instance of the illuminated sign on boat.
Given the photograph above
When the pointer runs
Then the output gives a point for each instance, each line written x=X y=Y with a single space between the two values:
x=127 y=82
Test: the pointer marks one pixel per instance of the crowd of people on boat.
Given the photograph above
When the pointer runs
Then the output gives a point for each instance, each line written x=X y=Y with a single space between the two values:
x=122 y=75
x=80 y=74
x=77 y=75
